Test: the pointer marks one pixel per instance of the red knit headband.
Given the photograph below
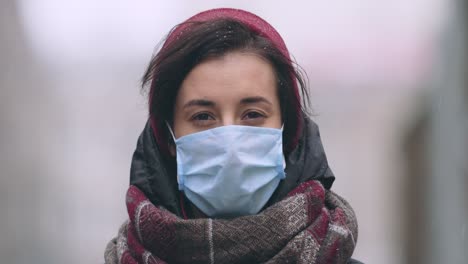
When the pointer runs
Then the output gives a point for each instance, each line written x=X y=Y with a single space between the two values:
x=253 y=22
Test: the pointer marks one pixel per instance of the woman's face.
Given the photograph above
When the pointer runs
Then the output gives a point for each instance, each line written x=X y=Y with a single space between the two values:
x=235 y=89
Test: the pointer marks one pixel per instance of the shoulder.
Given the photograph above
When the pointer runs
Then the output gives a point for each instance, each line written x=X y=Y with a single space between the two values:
x=110 y=254
x=353 y=261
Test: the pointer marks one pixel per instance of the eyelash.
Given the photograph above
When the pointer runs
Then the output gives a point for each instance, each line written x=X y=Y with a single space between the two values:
x=202 y=122
x=258 y=114
x=198 y=115
x=205 y=119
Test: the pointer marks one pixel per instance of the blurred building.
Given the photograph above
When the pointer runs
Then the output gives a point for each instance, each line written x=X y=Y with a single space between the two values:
x=26 y=130
x=436 y=149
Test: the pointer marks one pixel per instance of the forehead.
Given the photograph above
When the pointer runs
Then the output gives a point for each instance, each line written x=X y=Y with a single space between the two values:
x=227 y=78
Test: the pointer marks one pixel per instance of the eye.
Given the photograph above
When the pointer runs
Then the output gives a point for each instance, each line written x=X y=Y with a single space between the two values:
x=202 y=117
x=253 y=115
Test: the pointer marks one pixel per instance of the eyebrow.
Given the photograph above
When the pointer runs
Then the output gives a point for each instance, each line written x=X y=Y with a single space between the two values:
x=244 y=101
x=199 y=102
x=255 y=99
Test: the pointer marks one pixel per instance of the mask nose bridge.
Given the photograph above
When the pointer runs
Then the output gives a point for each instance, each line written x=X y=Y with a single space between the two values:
x=232 y=150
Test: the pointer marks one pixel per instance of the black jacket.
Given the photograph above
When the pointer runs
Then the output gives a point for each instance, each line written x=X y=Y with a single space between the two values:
x=155 y=175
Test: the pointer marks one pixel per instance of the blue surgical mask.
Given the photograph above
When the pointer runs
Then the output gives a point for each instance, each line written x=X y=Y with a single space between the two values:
x=230 y=171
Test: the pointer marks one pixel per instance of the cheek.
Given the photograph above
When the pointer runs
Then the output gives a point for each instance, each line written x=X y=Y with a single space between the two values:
x=276 y=120
x=278 y=114
x=179 y=124
x=180 y=127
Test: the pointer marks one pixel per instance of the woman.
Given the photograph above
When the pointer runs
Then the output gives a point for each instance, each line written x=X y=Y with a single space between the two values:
x=229 y=168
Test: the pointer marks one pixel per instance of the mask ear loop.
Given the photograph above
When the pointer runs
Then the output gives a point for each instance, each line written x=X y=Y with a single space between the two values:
x=170 y=131
x=284 y=158
x=173 y=137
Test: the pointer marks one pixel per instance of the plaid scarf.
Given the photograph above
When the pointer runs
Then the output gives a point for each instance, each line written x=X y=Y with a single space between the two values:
x=310 y=225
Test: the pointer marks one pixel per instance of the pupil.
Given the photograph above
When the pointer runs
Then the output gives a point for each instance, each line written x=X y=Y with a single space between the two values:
x=252 y=115
x=203 y=117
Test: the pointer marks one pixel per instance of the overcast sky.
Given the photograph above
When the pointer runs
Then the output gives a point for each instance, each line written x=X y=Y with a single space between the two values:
x=354 y=41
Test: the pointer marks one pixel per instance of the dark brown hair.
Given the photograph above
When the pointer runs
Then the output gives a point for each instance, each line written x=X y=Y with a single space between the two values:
x=200 y=41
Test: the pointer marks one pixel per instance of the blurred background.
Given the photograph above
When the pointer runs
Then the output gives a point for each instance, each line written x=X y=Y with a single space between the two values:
x=388 y=87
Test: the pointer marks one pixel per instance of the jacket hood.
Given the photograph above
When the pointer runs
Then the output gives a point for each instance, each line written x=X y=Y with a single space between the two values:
x=259 y=27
